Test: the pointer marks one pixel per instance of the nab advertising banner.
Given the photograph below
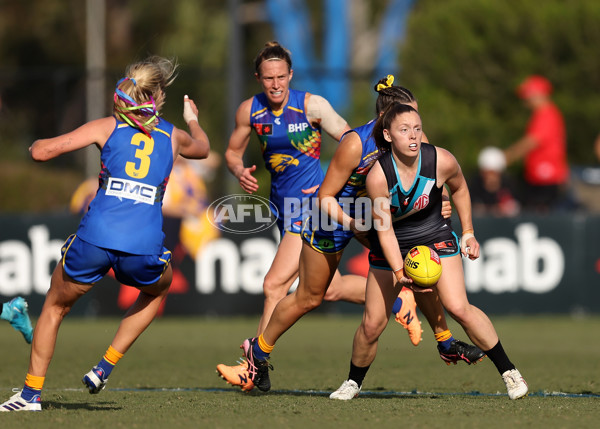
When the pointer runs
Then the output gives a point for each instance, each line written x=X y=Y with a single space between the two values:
x=528 y=265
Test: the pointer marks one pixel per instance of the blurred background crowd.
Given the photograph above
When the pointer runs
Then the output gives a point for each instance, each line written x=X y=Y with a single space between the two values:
x=480 y=69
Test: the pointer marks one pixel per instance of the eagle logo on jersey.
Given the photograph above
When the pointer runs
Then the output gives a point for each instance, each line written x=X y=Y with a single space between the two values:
x=280 y=161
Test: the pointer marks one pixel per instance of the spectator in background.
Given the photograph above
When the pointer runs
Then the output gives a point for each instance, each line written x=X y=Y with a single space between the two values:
x=492 y=191
x=83 y=196
x=597 y=148
x=543 y=147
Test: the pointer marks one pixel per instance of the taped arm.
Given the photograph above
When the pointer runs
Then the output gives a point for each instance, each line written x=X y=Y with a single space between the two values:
x=320 y=112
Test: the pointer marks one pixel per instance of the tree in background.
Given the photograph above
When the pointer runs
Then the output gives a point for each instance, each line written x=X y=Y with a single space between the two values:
x=464 y=59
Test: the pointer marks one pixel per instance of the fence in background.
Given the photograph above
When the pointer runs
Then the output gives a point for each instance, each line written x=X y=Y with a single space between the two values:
x=531 y=265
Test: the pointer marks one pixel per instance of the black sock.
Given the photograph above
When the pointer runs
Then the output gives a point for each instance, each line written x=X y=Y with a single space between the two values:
x=358 y=373
x=500 y=359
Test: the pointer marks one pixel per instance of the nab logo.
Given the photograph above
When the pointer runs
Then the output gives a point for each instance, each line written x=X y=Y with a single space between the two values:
x=297 y=128
x=242 y=214
x=130 y=190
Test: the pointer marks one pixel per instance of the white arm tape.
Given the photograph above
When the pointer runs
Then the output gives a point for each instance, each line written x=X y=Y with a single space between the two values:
x=465 y=237
x=318 y=109
x=188 y=115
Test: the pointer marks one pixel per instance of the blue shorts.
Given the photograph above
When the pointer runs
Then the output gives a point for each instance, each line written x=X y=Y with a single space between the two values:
x=445 y=244
x=86 y=263
x=293 y=228
x=292 y=222
x=323 y=241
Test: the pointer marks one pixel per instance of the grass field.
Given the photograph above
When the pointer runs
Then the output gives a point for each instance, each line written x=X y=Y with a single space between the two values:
x=168 y=379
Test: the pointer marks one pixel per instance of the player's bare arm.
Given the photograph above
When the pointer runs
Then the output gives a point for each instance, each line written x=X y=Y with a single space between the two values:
x=382 y=219
x=450 y=172
x=320 y=113
x=94 y=132
x=238 y=142
x=345 y=159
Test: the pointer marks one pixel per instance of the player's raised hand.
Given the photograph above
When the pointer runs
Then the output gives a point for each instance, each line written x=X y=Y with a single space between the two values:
x=190 y=111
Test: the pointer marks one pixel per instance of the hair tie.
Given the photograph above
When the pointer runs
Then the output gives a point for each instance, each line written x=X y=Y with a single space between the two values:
x=389 y=81
x=127 y=78
x=147 y=109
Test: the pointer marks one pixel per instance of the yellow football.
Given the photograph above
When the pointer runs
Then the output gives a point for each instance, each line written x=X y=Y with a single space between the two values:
x=422 y=264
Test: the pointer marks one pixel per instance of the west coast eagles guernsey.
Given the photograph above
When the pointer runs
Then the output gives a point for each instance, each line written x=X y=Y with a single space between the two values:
x=126 y=213
x=352 y=198
x=355 y=186
x=291 y=148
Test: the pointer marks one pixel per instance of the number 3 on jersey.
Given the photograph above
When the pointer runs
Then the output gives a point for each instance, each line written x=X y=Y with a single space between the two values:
x=142 y=154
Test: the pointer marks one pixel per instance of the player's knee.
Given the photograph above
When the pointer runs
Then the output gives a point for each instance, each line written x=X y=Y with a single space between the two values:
x=332 y=295
x=273 y=289
x=372 y=329
x=59 y=310
x=460 y=313
x=309 y=302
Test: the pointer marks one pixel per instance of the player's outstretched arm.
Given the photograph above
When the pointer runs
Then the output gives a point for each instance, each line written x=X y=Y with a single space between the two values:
x=93 y=132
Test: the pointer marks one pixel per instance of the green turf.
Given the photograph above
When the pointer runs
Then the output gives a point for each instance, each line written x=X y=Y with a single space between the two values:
x=168 y=379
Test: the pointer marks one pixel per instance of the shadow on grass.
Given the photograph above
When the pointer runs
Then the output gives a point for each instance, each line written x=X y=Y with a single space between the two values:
x=368 y=393
x=96 y=406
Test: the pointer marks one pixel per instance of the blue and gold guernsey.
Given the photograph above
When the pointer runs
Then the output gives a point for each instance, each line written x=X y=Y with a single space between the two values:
x=291 y=149
x=352 y=198
x=416 y=211
x=126 y=213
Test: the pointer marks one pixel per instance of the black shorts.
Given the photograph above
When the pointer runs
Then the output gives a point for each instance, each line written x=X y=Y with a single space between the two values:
x=445 y=243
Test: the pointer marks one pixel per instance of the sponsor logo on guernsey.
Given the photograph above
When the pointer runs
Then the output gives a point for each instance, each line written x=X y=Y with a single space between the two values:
x=264 y=129
x=131 y=190
x=297 y=128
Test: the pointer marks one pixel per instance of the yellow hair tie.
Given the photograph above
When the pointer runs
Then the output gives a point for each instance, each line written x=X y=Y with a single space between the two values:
x=389 y=81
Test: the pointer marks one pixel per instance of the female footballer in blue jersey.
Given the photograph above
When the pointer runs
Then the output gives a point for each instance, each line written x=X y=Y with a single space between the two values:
x=405 y=185
x=288 y=124
x=122 y=230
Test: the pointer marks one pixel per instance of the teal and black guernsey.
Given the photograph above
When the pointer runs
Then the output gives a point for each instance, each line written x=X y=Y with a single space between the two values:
x=416 y=210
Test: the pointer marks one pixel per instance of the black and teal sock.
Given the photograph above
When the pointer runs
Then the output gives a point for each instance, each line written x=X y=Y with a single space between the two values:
x=500 y=358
